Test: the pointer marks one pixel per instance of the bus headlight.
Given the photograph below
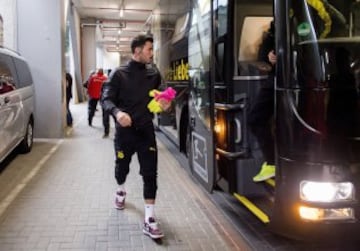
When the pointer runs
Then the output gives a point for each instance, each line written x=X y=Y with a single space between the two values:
x=321 y=214
x=326 y=191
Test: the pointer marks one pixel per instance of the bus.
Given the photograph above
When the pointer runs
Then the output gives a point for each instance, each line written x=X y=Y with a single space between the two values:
x=315 y=192
x=172 y=61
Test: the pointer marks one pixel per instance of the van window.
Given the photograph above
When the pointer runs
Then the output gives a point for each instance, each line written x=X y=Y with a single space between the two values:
x=7 y=75
x=23 y=72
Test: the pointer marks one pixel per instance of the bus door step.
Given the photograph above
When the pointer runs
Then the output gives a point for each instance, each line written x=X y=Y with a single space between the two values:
x=261 y=207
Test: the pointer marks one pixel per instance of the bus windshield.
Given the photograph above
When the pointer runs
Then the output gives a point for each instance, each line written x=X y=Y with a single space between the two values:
x=324 y=53
x=325 y=40
x=325 y=19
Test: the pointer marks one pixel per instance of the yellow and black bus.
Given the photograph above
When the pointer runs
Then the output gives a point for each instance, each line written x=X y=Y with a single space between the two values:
x=316 y=125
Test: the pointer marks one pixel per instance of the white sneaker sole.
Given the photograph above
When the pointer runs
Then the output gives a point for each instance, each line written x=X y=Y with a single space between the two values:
x=152 y=236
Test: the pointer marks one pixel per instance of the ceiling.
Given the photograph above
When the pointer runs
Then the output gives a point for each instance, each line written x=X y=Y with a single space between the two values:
x=120 y=20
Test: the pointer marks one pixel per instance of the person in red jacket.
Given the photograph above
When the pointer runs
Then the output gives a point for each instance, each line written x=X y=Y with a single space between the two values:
x=94 y=90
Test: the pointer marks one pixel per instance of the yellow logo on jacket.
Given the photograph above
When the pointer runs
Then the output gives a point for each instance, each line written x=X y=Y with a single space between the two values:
x=120 y=155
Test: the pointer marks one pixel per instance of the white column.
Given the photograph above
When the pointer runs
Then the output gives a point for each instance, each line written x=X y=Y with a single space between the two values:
x=41 y=40
x=88 y=52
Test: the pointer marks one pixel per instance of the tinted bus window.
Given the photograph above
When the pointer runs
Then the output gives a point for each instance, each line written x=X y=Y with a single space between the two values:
x=7 y=75
x=199 y=58
x=23 y=73
x=220 y=8
x=324 y=43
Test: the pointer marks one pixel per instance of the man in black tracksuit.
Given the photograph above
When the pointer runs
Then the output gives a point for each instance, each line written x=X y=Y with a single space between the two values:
x=261 y=114
x=126 y=96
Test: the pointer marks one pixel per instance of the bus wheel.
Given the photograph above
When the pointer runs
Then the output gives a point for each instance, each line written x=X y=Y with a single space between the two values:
x=188 y=142
x=189 y=150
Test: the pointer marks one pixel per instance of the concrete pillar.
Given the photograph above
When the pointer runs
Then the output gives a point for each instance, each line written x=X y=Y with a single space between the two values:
x=7 y=12
x=74 y=26
x=41 y=40
x=88 y=52
x=1 y=31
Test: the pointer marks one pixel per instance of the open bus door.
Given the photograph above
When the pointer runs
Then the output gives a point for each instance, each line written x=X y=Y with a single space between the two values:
x=200 y=132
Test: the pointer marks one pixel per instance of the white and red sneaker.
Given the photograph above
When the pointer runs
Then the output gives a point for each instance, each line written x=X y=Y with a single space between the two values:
x=152 y=229
x=120 y=200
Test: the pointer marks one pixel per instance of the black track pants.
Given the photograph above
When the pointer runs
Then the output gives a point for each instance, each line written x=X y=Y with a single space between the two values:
x=130 y=140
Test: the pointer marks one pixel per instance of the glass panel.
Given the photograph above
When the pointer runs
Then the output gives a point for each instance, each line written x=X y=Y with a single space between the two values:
x=324 y=34
x=325 y=61
x=199 y=59
x=219 y=68
x=180 y=28
x=221 y=17
x=7 y=81
x=220 y=8
x=23 y=73
x=253 y=32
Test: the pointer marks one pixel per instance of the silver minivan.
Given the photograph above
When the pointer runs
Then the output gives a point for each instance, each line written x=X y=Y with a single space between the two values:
x=16 y=104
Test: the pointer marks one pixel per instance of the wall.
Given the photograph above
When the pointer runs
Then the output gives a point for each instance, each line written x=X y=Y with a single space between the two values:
x=88 y=49
x=73 y=21
x=104 y=59
x=41 y=40
x=94 y=56
x=111 y=60
x=8 y=13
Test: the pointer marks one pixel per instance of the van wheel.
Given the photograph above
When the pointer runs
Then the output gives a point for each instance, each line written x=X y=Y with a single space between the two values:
x=26 y=144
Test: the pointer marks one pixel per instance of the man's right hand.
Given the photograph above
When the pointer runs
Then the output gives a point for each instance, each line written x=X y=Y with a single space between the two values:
x=123 y=119
x=272 y=57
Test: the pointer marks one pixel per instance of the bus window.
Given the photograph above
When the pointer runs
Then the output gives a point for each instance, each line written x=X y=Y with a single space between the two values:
x=252 y=33
x=318 y=36
x=221 y=16
x=180 y=28
x=251 y=37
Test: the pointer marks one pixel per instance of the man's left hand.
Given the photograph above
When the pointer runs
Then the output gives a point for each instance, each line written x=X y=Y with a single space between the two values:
x=164 y=104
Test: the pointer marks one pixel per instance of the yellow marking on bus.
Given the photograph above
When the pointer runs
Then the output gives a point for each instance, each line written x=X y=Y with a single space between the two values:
x=270 y=182
x=253 y=208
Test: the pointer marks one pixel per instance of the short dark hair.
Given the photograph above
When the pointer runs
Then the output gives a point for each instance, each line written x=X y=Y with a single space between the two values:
x=139 y=41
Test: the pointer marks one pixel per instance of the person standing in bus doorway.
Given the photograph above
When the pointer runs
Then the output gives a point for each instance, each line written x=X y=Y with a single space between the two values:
x=68 y=93
x=126 y=96
x=94 y=90
x=261 y=114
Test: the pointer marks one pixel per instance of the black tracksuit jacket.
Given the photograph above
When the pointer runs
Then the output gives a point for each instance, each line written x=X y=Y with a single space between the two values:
x=127 y=90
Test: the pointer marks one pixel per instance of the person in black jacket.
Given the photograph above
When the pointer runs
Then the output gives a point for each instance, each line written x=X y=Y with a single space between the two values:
x=69 y=80
x=126 y=96
x=261 y=114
